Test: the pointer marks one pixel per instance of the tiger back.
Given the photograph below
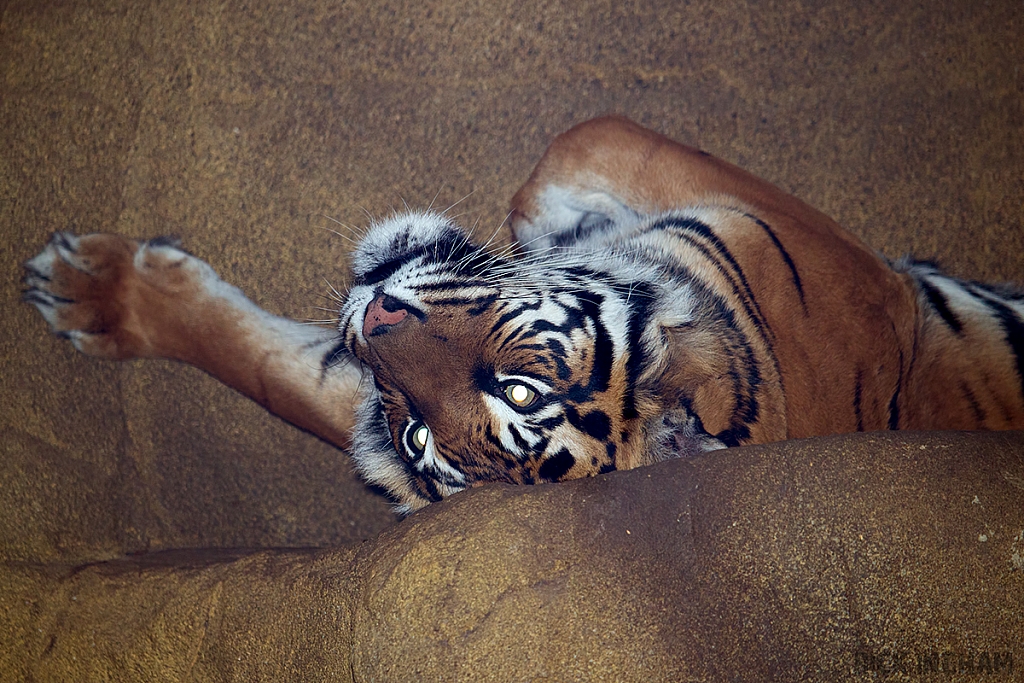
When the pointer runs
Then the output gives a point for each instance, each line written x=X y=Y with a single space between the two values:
x=862 y=344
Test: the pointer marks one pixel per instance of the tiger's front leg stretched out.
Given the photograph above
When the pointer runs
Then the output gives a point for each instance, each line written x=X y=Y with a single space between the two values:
x=118 y=298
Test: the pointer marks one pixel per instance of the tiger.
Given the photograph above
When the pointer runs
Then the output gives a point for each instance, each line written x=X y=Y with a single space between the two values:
x=655 y=303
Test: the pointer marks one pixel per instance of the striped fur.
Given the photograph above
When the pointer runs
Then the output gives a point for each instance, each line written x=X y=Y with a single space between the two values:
x=664 y=304
x=660 y=303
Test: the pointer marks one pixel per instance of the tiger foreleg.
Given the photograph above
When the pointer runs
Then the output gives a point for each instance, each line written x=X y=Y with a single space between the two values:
x=118 y=298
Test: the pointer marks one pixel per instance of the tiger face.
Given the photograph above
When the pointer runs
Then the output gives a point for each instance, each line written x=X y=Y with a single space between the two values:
x=486 y=369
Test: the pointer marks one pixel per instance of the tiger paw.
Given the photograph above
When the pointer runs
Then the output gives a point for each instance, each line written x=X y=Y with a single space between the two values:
x=99 y=291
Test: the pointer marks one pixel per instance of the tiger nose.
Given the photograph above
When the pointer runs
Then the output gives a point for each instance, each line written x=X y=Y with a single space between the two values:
x=381 y=313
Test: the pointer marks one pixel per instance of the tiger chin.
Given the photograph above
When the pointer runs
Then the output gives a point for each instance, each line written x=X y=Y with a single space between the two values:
x=657 y=303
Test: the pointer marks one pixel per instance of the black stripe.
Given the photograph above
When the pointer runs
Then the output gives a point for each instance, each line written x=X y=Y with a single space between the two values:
x=610 y=450
x=493 y=439
x=582 y=230
x=604 y=349
x=35 y=296
x=894 y=402
x=453 y=301
x=972 y=401
x=165 y=241
x=595 y=423
x=63 y=240
x=550 y=423
x=486 y=465
x=520 y=442
x=753 y=373
x=748 y=300
x=510 y=315
x=427 y=487
x=701 y=229
x=482 y=305
x=785 y=257
x=389 y=268
x=557 y=356
x=940 y=304
x=450 y=247
x=601 y=369
x=743 y=366
x=38 y=273
x=1005 y=291
x=334 y=356
x=454 y=286
x=555 y=467
x=858 y=388
x=1013 y=327
x=441 y=476
x=639 y=312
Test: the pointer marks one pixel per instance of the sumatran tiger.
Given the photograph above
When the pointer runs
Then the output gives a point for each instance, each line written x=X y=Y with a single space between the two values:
x=659 y=303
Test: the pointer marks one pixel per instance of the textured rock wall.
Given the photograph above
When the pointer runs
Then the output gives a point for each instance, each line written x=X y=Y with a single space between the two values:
x=245 y=128
x=880 y=557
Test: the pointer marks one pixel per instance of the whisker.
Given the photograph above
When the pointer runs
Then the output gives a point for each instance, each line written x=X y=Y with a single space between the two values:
x=335 y=295
x=436 y=195
x=319 y=323
x=494 y=234
x=355 y=236
x=456 y=203
x=335 y=311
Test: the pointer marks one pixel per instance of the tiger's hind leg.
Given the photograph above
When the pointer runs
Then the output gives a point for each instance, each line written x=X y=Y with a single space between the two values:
x=611 y=172
x=118 y=298
x=589 y=181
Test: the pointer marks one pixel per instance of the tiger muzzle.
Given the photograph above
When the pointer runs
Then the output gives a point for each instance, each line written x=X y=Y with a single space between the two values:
x=383 y=313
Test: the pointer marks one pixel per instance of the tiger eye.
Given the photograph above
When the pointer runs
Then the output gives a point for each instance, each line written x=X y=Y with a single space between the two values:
x=419 y=437
x=520 y=394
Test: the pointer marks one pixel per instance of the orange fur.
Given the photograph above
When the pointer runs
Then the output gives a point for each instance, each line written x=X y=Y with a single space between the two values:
x=861 y=320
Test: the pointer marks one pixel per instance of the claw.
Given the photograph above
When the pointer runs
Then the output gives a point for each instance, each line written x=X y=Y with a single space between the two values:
x=63 y=239
x=34 y=296
x=164 y=241
x=34 y=271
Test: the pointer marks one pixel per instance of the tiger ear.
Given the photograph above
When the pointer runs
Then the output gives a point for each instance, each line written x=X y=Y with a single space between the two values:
x=682 y=435
x=695 y=376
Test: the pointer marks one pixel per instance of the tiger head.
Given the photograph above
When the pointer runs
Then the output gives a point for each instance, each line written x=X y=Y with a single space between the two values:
x=487 y=368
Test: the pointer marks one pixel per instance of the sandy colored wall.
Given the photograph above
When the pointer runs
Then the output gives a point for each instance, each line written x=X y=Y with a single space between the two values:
x=241 y=127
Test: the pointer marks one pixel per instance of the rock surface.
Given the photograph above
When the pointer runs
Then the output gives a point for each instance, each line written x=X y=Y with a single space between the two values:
x=825 y=559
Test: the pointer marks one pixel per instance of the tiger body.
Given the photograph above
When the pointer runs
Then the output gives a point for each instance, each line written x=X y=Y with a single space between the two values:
x=662 y=303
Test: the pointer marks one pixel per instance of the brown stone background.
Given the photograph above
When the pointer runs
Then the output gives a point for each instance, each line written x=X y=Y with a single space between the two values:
x=246 y=127
x=241 y=127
